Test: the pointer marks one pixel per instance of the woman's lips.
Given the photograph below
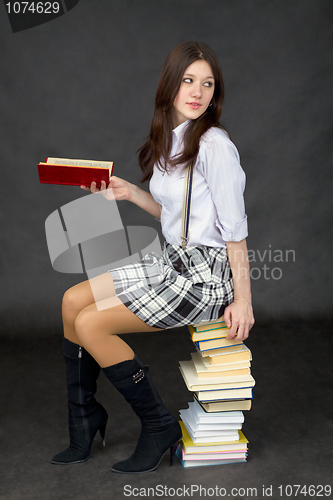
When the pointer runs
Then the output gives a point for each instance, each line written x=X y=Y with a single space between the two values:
x=194 y=105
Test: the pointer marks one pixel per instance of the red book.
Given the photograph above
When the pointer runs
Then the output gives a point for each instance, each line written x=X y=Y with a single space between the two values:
x=74 y=172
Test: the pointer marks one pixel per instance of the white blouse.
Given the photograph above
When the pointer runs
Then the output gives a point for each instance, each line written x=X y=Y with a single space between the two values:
x=217 y=207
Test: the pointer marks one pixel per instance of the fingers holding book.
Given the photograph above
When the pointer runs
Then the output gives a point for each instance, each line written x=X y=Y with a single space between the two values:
x=117 y=189
x=93 y=187
x=239 y=318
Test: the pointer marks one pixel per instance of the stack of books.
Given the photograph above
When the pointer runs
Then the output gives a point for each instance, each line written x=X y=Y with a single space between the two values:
x=219 y=376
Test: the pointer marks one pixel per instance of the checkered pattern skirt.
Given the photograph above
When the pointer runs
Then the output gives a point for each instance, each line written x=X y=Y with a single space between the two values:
x=178 y=288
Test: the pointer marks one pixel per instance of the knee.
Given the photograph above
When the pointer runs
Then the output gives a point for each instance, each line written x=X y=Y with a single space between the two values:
x=85 y=327
x=71 y=302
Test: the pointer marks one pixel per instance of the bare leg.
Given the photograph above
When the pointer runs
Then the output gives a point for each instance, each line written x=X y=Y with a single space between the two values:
x=97 y=327
x=80 y=296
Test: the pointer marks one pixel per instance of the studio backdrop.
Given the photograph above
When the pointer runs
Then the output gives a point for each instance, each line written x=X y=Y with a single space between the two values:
x=80 y=84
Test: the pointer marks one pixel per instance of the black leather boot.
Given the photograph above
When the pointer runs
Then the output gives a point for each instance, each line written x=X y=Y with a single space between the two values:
x=85 y=415
x=159 y=429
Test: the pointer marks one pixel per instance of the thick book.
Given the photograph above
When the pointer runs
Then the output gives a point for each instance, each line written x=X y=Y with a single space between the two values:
x=206 y=439
x=240 y=353
x=213 y=396
x=205 y=462
x=209 y=325
x=210 y=396
x=221 y=350
x=223 y=406
x=72 y=172
x=221 y=342
x=205 y=459
x=202 y=417
x=223 y=455
x=242 y=356
x=196 y=383
x=207 y=426
x=208 y=334
x=233 y=445
x=200 y=430
x=226 y=370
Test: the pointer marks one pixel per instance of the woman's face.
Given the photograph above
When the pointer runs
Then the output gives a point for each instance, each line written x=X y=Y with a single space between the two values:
x=195 y=93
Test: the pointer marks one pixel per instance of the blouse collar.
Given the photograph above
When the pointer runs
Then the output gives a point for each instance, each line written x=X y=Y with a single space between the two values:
x=180 y=130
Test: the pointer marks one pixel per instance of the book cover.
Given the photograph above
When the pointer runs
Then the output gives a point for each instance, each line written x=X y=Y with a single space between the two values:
x=73 y=172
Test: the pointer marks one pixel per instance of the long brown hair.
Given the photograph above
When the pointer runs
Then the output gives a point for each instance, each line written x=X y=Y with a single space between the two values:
x=157 y=148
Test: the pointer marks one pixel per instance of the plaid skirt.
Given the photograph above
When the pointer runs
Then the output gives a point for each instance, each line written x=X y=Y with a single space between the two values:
x=178 y=288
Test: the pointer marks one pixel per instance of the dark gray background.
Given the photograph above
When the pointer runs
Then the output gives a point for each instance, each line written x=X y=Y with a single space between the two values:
x=83 y=85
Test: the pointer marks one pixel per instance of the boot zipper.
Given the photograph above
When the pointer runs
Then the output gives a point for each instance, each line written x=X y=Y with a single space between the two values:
x=79 y=377
x=84 y=420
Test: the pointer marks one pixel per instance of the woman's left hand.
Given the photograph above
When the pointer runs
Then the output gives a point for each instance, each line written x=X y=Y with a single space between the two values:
x=238 y=316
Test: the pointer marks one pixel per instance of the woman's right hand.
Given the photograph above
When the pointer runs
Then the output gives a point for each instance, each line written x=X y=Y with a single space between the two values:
x=118 y=189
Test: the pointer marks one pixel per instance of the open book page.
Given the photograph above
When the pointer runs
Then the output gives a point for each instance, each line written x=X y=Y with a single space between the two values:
x=80 y=163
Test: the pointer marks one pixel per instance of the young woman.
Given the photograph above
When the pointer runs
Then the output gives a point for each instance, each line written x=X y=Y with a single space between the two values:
x=197 y=284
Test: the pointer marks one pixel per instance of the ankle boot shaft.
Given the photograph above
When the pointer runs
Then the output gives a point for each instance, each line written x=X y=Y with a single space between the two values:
x=123 y=370
x=85 y=415
x=132 y=379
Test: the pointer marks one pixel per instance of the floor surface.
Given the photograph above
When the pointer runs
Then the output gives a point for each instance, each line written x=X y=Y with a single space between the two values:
x=289 y=427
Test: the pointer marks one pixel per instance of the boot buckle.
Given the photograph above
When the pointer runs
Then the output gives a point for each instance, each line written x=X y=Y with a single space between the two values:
x=137 y=377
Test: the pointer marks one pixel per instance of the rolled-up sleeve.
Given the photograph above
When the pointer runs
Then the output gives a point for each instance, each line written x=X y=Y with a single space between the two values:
x=225 y=177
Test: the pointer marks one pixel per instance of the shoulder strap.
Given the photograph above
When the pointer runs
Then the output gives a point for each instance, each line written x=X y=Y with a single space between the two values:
x=187 y=204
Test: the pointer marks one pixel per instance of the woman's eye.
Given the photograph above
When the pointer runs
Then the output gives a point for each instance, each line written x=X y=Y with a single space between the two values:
x=190 y=80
